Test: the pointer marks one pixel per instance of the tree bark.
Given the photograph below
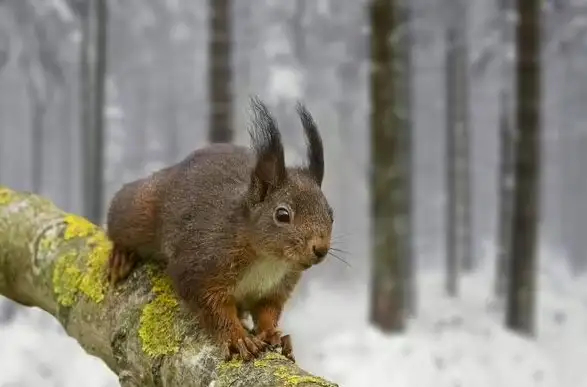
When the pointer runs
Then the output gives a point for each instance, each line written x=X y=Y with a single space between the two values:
x=521 y=295
x=94 y=20
x=459 y=252
x=404 y=123
x=220 y=95
x=56 y=261
x=387 y=292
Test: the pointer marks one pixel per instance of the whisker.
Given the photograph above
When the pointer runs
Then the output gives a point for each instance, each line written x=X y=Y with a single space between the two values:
x=341 y=236
x=339 y=258
x=339 y=250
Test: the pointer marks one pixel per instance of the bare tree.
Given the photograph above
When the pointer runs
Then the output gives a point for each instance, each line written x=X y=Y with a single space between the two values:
x=39 y=61
x=94 y=21
x=458 y=216
x=506 y=158
x=522 y=283
x=387 y=293
x=220 y=77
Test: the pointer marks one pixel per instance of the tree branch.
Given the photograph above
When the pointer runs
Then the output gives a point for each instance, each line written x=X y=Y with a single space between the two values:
x=56 y=261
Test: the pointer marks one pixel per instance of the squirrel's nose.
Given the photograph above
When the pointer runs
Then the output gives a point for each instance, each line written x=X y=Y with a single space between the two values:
x=320 y=251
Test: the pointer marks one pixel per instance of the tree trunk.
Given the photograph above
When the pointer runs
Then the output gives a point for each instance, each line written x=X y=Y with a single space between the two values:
x=506 y=161
x=37 y=87
x=56 y=261
x=458 y=217
x=94 y=20
x=521 y=296
x=220 y=95
x=387 y=207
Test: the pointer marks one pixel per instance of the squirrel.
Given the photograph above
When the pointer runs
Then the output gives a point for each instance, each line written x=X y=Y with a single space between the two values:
x=235 y=229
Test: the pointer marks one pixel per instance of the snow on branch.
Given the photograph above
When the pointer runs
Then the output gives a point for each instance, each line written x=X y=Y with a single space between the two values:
x=56 y=261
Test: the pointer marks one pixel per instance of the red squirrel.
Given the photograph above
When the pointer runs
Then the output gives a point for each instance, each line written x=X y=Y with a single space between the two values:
x=235 y=229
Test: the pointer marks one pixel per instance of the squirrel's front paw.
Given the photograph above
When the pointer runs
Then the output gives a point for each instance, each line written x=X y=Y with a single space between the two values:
x=274 y=338
x=270 y=336
x=246 y=347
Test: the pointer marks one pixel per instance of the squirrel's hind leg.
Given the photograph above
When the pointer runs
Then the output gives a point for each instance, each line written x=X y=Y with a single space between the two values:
x=120 y=264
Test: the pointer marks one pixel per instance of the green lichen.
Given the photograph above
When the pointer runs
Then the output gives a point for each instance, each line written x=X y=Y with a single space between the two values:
x=78 y=227
x=46 y=244
x=72 y=274
x=230 y=365
x=266 y=360
x=292 y=380
x=66 y=279
x=158 y=329
x=287 y=376
x=6 y=195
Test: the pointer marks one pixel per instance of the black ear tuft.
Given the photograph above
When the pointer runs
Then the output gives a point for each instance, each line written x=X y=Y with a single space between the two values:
x=315 y=151
x=270 y=171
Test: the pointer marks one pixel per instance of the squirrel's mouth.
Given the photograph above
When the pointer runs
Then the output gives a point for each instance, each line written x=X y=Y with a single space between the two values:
x=306 y=265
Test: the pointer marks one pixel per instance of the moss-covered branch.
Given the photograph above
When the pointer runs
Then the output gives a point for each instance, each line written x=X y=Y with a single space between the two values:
x=56 y=261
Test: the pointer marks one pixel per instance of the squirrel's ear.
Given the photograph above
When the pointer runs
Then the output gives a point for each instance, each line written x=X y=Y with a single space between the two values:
x=314 y=145
x=269 y=172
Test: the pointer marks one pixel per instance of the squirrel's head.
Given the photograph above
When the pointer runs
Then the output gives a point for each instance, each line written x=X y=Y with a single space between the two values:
x=289 y=214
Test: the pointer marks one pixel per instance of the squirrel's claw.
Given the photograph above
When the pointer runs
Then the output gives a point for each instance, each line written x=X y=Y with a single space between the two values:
x=274 y=338
x=120 y=264
x=246 y=348
x=286 y=348
x=270 y=336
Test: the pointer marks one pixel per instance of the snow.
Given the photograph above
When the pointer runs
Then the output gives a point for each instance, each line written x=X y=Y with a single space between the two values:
x=452 y=343
x=460 y=342
x=35 y=352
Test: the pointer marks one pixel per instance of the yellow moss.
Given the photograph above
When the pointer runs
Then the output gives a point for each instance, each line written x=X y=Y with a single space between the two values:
x=78 y=227
x=282 y=372
x=230 y=365
x=91 y=280
x=292 y=380
x=161 y=284
x=6 y=195
x=46 y=245
x=266 y=360
x=66 y=279
x=93 y=283
x=158 y=330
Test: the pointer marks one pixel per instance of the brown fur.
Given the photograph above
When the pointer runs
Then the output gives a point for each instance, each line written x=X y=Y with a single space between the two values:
x=210 y=218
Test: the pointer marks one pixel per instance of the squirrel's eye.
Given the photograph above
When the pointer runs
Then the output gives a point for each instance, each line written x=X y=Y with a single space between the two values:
x=282 y=215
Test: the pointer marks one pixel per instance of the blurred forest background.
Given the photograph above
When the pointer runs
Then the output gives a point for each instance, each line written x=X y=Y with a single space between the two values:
x=96 y=93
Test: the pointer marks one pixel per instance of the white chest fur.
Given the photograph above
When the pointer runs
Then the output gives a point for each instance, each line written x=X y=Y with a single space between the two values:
x=261 y=277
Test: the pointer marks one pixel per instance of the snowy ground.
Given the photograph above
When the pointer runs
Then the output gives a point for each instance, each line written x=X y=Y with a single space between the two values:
x=452 y=343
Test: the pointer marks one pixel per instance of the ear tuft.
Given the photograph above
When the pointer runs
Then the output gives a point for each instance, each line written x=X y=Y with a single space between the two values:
x=270 y=171
x=315 y=149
